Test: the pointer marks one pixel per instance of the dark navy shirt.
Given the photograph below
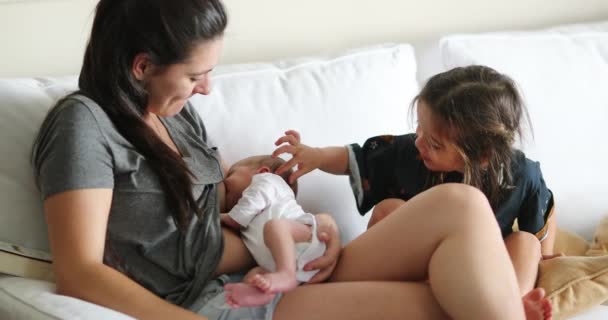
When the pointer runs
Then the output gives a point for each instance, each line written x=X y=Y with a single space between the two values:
x=391 y=167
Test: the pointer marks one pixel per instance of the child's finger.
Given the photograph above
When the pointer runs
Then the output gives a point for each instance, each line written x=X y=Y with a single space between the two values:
x=286 y=166
x=287 y=139
x=284 y=149
x=293 y=133
x=297 y=174
x=282 y=140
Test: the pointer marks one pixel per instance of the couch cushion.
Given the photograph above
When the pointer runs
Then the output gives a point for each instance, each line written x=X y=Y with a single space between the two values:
x=574 y=284
x=563 y=77
x=330 y=101
x=34 y=299
x=23 y=105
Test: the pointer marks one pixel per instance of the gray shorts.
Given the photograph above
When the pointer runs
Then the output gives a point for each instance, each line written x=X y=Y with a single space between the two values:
x=211 y=303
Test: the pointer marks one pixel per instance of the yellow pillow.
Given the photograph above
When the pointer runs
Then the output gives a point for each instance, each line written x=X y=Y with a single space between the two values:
x=17 y=265
x=570 y=243
x=574 y=284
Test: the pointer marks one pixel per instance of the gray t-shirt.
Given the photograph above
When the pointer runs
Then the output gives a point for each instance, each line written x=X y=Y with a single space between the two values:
x=80 y=148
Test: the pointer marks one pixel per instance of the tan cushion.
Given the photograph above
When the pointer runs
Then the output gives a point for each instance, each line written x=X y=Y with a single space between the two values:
x=599 y=246
x=17 y=265
x=570 y=244
x=574 y=284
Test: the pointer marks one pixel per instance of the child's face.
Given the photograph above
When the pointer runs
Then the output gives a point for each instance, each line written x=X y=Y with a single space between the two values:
x=437 y=152
x=238 y=178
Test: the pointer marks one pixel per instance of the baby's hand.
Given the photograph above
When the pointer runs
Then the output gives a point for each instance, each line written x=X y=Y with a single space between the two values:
x=226 y=220
x=305 y=157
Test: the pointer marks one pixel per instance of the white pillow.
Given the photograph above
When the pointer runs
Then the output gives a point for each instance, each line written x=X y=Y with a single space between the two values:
x=32 y=299
x=330 y=101
x=23 y=105
x=563 y=75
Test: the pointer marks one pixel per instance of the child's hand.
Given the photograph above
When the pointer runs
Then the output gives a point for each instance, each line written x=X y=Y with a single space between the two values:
x=305 y=157
x=226 y=220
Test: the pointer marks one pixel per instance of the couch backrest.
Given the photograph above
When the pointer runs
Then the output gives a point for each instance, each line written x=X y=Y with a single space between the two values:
x=331 y=101
x=23 y=105
x=563 y=75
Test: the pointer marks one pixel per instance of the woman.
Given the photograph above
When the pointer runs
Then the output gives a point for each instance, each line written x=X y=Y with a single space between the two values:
x=132 y=192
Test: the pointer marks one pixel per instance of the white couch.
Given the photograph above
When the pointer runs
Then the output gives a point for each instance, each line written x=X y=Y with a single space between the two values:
x=336 y=100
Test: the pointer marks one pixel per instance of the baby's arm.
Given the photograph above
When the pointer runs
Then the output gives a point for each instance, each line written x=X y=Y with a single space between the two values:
x=256 y=197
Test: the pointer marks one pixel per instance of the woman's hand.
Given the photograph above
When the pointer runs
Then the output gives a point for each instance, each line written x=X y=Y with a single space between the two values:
x=306 y=158
x=327 y=231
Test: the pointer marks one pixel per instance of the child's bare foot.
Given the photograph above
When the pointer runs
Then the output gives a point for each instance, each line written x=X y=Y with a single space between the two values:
x=274 y=282
x=536 y=305
x=245 y=295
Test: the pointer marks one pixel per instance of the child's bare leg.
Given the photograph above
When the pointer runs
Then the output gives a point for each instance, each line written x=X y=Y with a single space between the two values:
x=383 y=209
x=252 y=273
x=244 y=294
x=525 y=253
x=280 y=236
x=447 y=228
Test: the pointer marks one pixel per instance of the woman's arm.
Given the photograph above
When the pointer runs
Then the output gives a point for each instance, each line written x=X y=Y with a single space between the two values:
x=236 y=257
x=332 y=160
x=77 y=222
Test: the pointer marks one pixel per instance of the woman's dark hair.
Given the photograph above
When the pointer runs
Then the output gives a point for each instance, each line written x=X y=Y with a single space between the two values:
x=165 y=30
x=480 y=111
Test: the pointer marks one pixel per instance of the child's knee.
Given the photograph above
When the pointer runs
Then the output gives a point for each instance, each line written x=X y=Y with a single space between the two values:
x=273 y=224
x=383 y=209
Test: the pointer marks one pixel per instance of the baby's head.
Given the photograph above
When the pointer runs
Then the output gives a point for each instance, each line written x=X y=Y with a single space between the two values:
x=239 y=176
x=468 y=121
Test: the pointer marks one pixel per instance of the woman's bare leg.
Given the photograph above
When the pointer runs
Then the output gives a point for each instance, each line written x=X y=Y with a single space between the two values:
x=448 y=234
x=359 y=301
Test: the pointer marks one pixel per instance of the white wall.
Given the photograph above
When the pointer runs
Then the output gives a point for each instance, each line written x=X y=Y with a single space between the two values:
x=46 y=37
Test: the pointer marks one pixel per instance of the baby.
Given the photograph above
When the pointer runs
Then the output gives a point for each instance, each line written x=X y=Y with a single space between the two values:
x=281 y=237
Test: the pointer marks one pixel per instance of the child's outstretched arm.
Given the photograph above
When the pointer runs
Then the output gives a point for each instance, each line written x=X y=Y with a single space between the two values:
x=329 y=159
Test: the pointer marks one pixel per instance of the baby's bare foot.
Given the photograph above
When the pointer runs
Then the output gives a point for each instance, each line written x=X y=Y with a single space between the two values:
x=244 y=295
x=536 y=305
x=274 y=282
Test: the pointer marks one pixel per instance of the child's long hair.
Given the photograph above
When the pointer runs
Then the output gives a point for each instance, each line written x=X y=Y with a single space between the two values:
x=480 y=111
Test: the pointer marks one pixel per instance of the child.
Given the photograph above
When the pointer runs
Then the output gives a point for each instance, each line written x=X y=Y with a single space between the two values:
x=468 y=121
x=278 y=233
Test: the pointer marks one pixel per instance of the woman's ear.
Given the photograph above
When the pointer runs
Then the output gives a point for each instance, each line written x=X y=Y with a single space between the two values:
x=141 y=66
